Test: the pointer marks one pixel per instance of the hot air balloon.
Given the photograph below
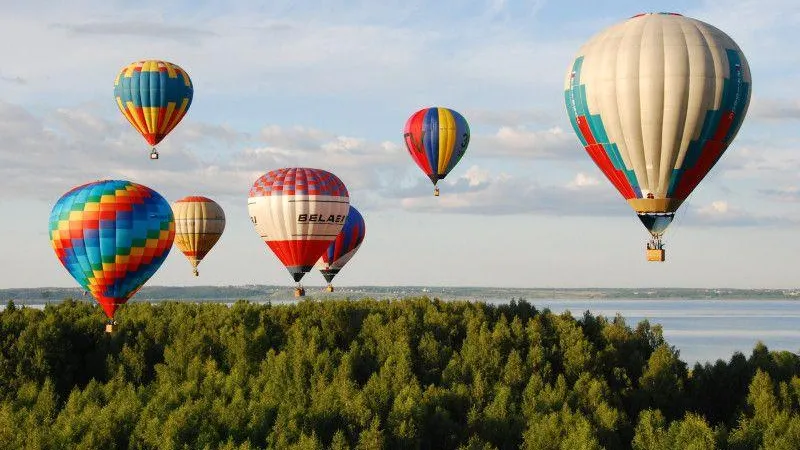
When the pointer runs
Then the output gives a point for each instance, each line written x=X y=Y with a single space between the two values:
x=154 y=96
x=656 y=100
x=436 y=138
x=343 y=248
x=111 y=236
x=199 y=223
x=298 y=212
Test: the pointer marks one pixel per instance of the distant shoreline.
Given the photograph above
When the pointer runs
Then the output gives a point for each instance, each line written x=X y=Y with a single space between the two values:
x=266 y=293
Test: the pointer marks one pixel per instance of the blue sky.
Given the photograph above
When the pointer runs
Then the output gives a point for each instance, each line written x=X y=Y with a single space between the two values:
x=330 y=84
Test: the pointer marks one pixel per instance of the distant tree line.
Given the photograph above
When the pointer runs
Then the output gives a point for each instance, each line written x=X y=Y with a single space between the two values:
x=406 y=374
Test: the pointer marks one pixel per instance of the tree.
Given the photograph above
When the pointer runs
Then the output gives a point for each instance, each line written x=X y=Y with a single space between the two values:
x=662 y=384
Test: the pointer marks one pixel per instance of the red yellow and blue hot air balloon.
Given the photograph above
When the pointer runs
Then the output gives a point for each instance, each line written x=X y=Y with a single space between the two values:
x=298 y=211
x=111 y=236
x=437 y=139
x=154 y=96
x=655 y=101
x=342 y=249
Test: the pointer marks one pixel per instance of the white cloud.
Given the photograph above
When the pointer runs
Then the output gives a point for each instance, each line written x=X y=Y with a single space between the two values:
x=496 y=6
x=774 y=109
x=475 y=176
x=71 y=146
x=519 y=142
x=582 y=180
x=766 y=161
x=720 y=213
x=63 y=150
x=716 y=208
x=503 y=193
x=496 y=117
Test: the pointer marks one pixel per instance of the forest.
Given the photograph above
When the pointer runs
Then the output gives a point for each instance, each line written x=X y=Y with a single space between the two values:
x=413 y=373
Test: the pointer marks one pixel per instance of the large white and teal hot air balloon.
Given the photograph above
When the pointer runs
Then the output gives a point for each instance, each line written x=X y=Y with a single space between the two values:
x=656 y=100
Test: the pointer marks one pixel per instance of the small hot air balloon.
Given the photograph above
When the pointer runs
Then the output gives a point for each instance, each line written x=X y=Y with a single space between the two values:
x=436 y=138
x=111 y=236
x=199 y=223
x=656 y=100
x=342 y=249
x=298 y=212
x=154 y=96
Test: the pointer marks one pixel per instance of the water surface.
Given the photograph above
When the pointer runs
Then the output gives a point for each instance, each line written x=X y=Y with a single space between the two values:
x=703 y=330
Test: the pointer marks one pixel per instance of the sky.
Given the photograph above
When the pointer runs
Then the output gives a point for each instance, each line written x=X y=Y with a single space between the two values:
x=330 y=84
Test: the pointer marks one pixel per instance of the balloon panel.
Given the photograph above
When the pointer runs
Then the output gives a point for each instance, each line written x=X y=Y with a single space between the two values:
x=656 y=224
x=329 y=274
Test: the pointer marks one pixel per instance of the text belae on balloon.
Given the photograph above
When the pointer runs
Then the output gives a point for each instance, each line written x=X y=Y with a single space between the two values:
x=320 y=218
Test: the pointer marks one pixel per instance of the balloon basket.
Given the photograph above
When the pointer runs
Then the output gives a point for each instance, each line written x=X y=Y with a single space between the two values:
x=656 y=255
x=109 y=328
x=329 y=288
x=154 y=154
x=436 y=192
x=299 y=292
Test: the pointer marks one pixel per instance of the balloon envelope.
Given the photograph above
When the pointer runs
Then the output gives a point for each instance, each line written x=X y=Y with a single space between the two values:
x=154 y=96
x=199 y=223
x=111 y=236
x=437 y=139
x=298 y=212
x=655 y=100
x=346 y=244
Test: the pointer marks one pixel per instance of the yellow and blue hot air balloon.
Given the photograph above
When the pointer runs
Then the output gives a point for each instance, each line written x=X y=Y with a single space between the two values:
x=154 y=96
x=437 y=139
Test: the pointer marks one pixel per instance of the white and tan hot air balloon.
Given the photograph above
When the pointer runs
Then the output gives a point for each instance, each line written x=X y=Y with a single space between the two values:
x=656 y=100
x=199 y=223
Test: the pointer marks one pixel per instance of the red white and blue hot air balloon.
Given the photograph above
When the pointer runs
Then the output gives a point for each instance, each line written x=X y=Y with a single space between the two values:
x=298 y=212
x=342 y=249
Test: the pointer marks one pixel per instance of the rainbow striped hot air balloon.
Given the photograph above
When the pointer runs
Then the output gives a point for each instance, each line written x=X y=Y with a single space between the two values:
x=437 y=139
x=656 y=100
x=111 y=236
x=298 y=212
x=154 y=96
x=199 y=223
x=342 y=249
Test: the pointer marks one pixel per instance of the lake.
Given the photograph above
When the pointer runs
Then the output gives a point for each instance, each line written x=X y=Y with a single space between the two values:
x=703 y=330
